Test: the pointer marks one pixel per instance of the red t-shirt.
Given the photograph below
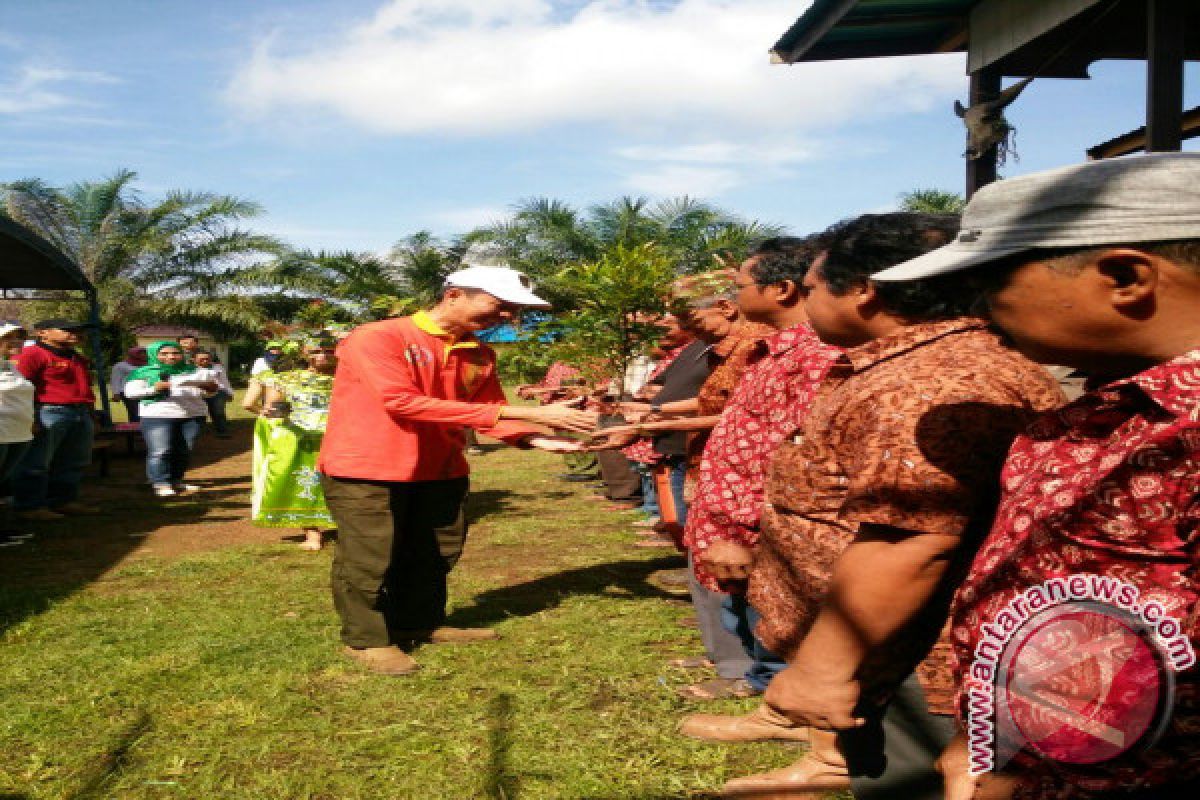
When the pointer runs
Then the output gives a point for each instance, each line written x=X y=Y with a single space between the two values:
x=57 y=379
x=402 y=394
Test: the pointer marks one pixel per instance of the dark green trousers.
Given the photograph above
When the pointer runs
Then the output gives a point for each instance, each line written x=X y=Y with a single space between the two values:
x=396 y=544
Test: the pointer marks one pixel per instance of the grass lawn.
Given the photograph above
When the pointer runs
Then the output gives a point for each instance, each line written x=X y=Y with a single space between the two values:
x=173 y=651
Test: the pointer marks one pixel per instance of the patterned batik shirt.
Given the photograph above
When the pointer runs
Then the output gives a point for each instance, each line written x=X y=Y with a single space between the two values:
x=768 y=405
x=307 y=391
x=558 y=372
x=909 y=431
x=642 y=451
x=1108 y=485
x=729 y=359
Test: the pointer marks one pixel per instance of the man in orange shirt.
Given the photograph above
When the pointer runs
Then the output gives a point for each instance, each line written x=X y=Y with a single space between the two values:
x=393 y=469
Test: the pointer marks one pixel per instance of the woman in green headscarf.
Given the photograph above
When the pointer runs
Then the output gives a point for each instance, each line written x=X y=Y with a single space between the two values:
x=287 y=438
x=171 y=396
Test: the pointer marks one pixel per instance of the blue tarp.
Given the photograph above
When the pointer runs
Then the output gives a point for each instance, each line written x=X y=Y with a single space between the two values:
x=510 y=333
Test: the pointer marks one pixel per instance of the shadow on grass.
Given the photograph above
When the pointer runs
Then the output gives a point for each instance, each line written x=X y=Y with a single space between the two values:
x=524 y=599
x=500 y=783
x=112 y=760
x=67 y=555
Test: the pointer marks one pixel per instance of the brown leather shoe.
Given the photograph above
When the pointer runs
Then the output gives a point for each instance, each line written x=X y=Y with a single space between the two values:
x=760 y=725
x=821 y=770
x=447 y=635
x=384 y=660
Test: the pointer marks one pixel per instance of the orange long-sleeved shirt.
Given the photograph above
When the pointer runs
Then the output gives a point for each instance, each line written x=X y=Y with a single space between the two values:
x=403 y=392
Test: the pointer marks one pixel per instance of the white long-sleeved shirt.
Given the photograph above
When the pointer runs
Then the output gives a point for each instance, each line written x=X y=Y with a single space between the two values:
x=222 y=378
x=16 y=405
x=183 y=401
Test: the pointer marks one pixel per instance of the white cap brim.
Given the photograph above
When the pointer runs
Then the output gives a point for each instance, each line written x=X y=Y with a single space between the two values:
x=518 y=296
x=953 y=257
x=8 y=328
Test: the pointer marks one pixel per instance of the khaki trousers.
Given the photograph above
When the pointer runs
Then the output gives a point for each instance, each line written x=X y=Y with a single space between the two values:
x=396 y=544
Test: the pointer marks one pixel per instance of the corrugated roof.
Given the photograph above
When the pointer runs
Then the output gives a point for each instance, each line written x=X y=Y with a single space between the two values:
x=838 y=29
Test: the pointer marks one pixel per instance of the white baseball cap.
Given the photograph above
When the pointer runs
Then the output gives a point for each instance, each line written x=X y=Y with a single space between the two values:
x=503 y=283
x=8 y=327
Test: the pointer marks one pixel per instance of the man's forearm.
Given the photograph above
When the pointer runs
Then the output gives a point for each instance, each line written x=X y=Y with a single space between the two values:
x=681 y=424
x=880 y=584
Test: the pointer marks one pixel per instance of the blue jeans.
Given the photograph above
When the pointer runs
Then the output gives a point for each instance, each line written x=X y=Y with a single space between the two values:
x=678 y=475
x=169 y=442
x=52 y=469
x=649 y=495
x=216 y=410
x=739 y=618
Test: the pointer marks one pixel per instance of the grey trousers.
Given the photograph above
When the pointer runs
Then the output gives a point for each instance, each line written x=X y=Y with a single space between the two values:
x=893 y=757
x=723 y=648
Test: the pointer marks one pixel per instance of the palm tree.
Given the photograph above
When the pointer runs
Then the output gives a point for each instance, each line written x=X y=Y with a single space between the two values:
x=545 y=236
x=347 y=284
x=421 y=264
x=171 y=260
x=932 y=201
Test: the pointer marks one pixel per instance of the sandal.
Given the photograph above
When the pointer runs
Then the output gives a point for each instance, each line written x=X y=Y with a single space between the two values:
x=691 y=662
x=718 y=689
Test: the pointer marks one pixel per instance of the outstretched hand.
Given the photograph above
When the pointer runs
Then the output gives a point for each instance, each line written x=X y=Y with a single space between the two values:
x=613 y=438
x=555 y=444
x=564 y=416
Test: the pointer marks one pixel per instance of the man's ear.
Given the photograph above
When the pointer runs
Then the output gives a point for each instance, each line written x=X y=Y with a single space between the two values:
x=1129 y=277
x=866 y=297
x=787 y=293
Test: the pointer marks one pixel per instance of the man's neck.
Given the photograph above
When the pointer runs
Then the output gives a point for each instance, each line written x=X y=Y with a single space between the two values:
x=445 y=320
x=64 y=350
x=787 y=318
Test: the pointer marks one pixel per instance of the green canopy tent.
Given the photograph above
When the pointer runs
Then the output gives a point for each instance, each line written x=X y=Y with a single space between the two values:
x=29 y=264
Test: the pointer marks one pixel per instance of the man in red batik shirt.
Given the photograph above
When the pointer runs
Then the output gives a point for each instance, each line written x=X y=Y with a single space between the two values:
x=768 y=405
x=1095 y=267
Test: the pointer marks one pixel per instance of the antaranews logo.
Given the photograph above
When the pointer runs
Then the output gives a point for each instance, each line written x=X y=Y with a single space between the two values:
x=1077 y=670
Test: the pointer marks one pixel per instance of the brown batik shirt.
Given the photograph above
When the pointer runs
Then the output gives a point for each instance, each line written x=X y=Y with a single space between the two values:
x=909 y=431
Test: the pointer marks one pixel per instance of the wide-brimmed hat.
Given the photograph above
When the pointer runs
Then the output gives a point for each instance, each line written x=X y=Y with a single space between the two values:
x=1151 y=198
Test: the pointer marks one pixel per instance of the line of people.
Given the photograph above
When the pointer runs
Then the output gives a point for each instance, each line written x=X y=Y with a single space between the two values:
x=880 y=463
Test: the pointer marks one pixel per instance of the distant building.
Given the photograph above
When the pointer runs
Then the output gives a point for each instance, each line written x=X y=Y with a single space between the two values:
x=149 y=334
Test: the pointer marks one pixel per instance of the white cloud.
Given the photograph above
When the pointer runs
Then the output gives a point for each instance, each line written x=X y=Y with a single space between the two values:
x=464 y=67
x=36 y=88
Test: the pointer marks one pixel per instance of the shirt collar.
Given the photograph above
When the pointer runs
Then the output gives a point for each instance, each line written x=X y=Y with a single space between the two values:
x=1173 y=385
x=425 y=322
x=742 y=333
x=61 y=352
x=788 y=338
x=908 y=338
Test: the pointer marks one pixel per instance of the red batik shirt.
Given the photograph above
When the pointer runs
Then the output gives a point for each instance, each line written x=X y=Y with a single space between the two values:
x=558 y=372
x=642 y=451
x=1107 y=485
x=768 y=405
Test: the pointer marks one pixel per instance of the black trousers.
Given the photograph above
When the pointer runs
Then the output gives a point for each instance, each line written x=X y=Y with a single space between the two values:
x=396 y=544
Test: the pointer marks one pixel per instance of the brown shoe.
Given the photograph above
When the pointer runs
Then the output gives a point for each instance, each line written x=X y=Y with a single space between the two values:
x=76 y=509
x=447 y=635
x=760 y=725
x=821 y=770
x=384 y=660
x=40 y=515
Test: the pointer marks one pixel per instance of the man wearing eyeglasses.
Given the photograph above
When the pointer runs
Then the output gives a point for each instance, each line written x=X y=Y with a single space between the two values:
x=392 y=460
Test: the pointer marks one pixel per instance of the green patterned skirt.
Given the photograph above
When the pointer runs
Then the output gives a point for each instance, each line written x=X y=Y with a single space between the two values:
x=287 y=487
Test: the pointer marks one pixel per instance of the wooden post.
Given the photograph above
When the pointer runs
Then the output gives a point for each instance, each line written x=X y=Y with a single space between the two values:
x=985 y=85
x=1165 y=30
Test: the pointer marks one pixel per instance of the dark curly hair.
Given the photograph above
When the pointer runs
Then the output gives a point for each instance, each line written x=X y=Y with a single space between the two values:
x=783 y=258
x=857 y=248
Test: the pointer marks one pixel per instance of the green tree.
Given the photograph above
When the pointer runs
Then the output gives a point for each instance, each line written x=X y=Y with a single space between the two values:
x=614 y=299
x=932 y=201
x=150 y=262
x=330 y=286
x=543 y=236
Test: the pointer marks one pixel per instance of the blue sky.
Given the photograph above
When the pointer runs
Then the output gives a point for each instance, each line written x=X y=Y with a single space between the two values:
x=357 y=122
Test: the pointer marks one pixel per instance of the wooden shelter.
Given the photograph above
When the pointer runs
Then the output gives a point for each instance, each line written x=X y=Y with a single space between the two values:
x=1015 y=39
x=29 y=264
